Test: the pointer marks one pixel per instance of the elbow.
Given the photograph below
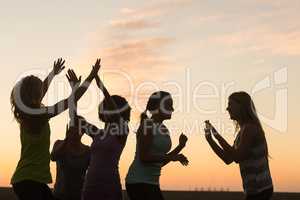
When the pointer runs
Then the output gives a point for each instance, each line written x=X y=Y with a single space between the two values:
x=239 y=158
x=52 y=158
x=228 y=161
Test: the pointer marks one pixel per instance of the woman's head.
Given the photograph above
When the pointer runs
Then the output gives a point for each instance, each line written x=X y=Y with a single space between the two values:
x=27 y=93
x=241 y=108
x=160 y=105
x=110 y=115
x=75 y=131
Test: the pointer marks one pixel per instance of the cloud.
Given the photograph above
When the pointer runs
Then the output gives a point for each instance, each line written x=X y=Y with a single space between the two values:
x=157 y=9
x=134 y=24
x=137 y=54
x=260 y=40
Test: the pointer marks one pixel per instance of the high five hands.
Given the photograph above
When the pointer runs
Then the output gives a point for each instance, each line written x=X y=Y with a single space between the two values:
x=73 y=79
x=96 y=68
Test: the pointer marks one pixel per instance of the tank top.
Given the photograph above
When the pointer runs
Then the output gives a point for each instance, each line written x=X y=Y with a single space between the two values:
x=102 y=178
x=71 y=170
x=149 y=173
x=34 y=163
x=255 y=171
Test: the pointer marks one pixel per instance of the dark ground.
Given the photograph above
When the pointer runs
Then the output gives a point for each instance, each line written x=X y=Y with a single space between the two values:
x=7 y=194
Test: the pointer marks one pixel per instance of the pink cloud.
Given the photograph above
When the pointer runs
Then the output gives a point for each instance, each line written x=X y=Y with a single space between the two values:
x=135 y=24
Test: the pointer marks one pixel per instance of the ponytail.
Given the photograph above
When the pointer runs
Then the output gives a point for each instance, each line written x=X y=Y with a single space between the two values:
x=143 y=117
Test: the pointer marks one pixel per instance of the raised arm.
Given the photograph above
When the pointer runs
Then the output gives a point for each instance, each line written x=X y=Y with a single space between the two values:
x=241 y=152
x=216 y=148
x=84 y=86
x=74 y=83
x=61 y=106
x=111 y=104
x=57 y=68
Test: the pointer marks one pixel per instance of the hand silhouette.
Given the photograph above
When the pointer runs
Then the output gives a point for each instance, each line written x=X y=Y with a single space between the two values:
x=182 y=140
x=182 y=159
x=72 y=78
x=58 y=66
x=96 y=68
x=209 y=126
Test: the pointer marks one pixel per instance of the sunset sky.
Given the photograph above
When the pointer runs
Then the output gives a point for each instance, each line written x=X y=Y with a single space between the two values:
x=200 y=51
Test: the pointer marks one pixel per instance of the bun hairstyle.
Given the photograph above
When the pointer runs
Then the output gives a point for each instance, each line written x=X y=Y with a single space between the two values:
x=154 y=103
x=109 y=115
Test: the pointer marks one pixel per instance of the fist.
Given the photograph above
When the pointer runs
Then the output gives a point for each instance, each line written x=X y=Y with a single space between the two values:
x=182 y=140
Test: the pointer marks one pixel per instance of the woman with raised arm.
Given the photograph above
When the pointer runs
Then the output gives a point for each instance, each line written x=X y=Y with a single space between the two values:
x=71 y=156
x=103 y=179
x=32 y=174
x=152 y=149
x=250 y=149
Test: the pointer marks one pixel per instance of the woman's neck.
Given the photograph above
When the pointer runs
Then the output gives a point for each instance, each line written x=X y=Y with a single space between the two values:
x=75 y=143
x=157 y=119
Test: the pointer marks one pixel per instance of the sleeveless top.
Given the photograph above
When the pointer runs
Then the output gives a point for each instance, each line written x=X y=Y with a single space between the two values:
x=255 y=171
x=71 y=170
x=102 y=178
x=34 y=163
x=149 y=173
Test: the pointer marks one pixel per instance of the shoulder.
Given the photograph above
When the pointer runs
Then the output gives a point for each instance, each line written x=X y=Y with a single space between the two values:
x=58 y=142
x=250 y=130
x=87 y=149
x=146 y=127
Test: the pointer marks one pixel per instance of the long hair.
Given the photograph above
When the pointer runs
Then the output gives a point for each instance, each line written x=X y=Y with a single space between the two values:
x=248 y=112
x=26 y=93
x=154 y=103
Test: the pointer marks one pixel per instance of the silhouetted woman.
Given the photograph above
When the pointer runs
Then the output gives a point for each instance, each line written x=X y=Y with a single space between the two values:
x=250 y=148
x=153 y=145
x=32 y=174
x=71 y=156
x=103 y=179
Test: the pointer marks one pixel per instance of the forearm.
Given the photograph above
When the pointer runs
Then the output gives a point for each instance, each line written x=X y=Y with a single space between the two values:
x=72 y=110
x=173 y=153
x=47 y=82
x=151 y=158
x=224 y=144
x=218 y=151
x=83 y=88
x=107 y=96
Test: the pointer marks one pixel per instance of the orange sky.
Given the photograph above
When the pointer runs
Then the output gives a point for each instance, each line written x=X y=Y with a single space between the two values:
x=200 y=51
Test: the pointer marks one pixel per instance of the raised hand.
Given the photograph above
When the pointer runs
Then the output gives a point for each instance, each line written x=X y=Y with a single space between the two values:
x=207 y=129
x=182 y=159
x=182 y=140
x=96 y=68
x=211 y=128
x=58 y=66
x=73 y=79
